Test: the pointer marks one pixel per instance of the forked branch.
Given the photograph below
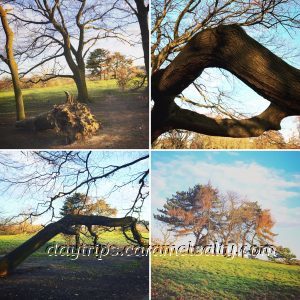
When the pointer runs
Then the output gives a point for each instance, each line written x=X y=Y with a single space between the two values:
x=229 y=48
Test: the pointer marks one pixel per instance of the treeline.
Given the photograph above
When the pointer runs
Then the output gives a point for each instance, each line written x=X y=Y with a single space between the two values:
x=104 y=64
x=34 y=82
x=101 y=64
x=22 y=228
x=208 y=215
x=181 y=139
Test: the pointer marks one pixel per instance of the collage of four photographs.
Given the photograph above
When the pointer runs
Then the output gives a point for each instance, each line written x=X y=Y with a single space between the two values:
x=149 y=149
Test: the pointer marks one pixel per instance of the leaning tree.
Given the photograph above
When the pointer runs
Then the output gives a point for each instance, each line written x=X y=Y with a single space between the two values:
x=189 y=37
x=52 y=176
x=8 y=57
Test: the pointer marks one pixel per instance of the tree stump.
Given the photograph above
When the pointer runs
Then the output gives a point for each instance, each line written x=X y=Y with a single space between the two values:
x=71 y=119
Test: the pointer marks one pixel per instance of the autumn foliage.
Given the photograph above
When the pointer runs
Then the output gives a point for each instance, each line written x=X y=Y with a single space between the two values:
x=211 y=216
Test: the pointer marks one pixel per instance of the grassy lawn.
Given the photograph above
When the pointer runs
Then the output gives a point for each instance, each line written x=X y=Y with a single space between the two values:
x=55 y=277
x=10 y=242
x=55 y=94
x=204 y=277
x=124 y=116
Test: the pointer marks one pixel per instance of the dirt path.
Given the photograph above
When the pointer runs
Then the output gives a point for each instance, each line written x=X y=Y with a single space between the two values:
x=125 y=125
x=85 y=278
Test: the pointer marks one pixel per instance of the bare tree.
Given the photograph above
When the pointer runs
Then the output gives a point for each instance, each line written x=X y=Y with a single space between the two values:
x=9 y=59
x=166 y=238
x=65 y=29
x=174 y=139
x=59 y=174
x=191 y=36
x=54 y=175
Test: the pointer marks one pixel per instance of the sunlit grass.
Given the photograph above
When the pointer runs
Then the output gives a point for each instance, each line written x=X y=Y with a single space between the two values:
x=55 y=94
x=205 y=277
x=10 y=242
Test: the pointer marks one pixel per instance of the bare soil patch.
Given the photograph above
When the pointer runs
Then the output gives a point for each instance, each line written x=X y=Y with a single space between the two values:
x=86 y=278
x=125 y=125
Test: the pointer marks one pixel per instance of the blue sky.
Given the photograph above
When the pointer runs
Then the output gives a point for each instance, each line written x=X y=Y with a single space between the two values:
x=269 y=177
x=129 y=45
x=18 y=198
x=242 y=98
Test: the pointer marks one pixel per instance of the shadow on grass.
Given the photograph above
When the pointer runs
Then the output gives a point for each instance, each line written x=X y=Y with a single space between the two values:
x=60 y=278
x=124 y=117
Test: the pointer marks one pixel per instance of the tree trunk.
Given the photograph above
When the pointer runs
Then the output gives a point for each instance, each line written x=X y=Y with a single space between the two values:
x=243 y=247
x=77 y=236
x=82 y=91
x=142 y=16
x=20 y=111
x=161 y=112
x=78 y=69
x=93 y=234
x=225 y=249
x=10 y=261
x=197 y=235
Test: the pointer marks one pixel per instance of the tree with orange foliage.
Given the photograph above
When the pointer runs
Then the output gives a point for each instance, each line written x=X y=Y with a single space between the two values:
x=211 y=216
x=191 y=212
x=263 y=230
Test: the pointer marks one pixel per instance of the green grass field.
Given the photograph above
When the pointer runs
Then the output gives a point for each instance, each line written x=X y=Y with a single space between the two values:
x=206 y=277
x=60 y=277
x=10 y=242
x=55 y=94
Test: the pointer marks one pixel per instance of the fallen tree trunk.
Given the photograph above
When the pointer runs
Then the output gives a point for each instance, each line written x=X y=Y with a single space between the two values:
x=71 y=119
x=10 y=261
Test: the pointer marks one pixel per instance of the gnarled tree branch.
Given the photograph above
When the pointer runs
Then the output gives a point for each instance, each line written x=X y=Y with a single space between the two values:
x=229 y=48
x=10 y=261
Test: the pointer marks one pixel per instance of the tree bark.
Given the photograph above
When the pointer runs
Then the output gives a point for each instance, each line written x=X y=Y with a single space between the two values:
x=142 y=16
x=10 y=61
x=10 y=261
x=93 y=234
x=82 y=91
x=230 y=48
x=38 y=123
x=76 y=65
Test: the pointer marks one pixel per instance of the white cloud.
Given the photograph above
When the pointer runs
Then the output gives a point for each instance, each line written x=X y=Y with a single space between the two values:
x=255 y=182
x=269 y=187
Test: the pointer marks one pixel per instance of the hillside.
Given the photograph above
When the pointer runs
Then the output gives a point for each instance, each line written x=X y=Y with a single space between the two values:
x=206 y=277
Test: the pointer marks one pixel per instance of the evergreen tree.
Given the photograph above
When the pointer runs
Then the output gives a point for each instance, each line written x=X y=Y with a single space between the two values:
x=80 y=204
x=192 y=212
x=97 y=62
